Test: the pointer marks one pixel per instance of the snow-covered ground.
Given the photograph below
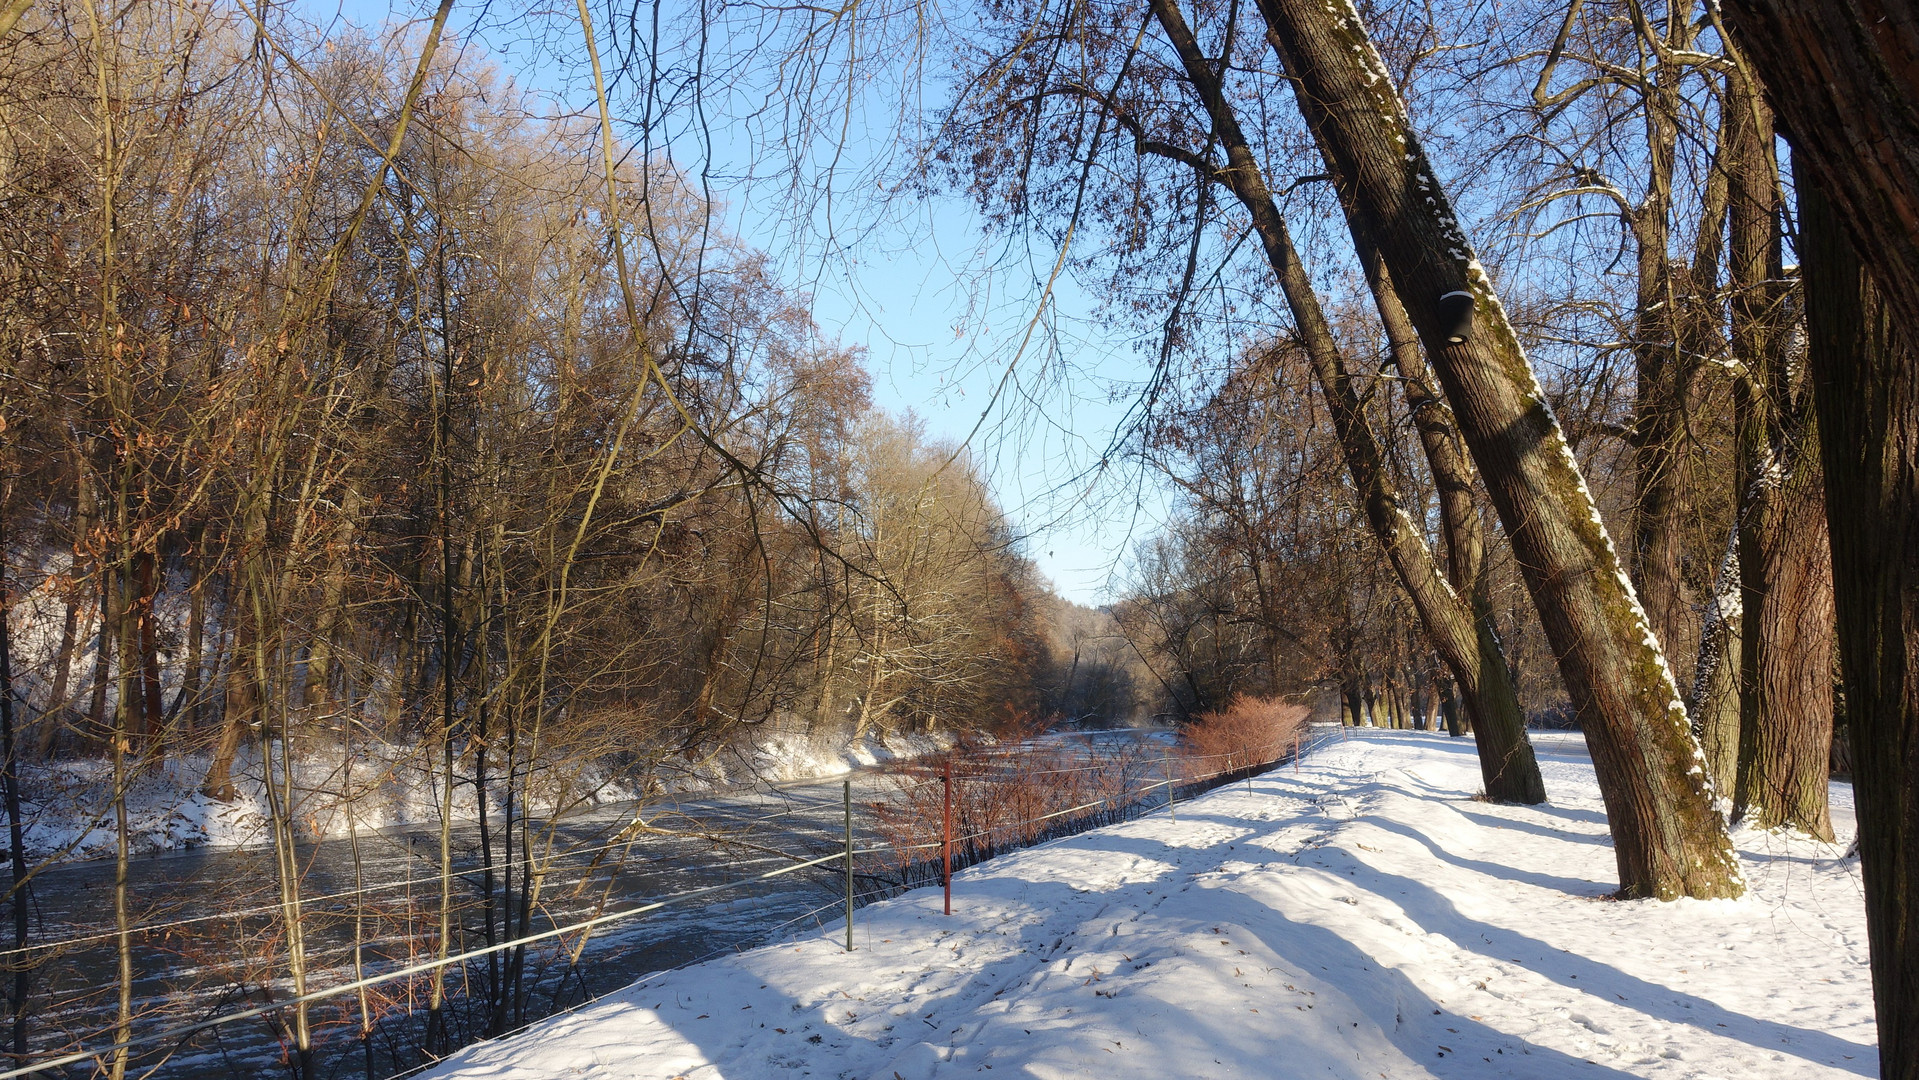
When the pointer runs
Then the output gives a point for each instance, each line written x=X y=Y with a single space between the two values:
x=1364 y=918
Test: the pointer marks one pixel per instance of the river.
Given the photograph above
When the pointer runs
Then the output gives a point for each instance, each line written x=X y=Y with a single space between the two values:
x=214 y=943
x=212 y=940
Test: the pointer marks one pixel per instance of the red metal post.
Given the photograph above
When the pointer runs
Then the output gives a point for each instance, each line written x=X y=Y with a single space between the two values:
x=946 y=834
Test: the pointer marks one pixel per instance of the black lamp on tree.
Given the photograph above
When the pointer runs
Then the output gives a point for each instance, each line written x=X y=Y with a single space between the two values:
x=1456 y=316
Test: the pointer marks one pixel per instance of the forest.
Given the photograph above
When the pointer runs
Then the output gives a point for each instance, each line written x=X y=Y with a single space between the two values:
x=368 y=406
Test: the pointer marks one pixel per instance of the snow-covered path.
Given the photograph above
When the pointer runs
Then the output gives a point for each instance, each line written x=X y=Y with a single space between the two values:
x=1363 y=918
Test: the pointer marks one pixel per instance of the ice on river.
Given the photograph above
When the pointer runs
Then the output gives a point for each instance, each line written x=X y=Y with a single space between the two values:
x=1365 y=918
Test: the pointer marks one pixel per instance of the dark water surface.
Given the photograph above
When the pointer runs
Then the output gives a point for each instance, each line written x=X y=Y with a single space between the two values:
x=216 y=945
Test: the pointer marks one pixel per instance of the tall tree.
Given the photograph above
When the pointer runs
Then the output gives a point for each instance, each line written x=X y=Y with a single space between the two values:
x=1668 y=838
x=1843 y=80
x=1506 y=759
x=1785 y=712
x=1866 y=392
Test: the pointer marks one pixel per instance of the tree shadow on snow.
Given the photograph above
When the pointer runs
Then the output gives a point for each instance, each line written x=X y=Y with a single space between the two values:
x=1494 y=821
x=1433 y=912
x=1571 y=886
x=1449 y=1044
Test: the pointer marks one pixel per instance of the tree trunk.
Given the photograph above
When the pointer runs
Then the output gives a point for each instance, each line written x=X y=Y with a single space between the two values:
x=1844 y=80
x=1507 y=764
x=1715 y=692
x=1663 y=377
x=187 y=706
x=56 y=710
x=1866 y=389
x=320 y=657
x=1499 y=722
x=20 y=892
x=241 y=701
x=1667 y=837
x=147 y=591
x=103 y=647
x=1449 y=708
x=53 y=715
x=1785 y=712
x=1785 y=738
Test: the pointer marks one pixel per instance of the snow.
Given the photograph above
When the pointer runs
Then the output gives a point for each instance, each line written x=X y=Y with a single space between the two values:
x=1364 y=918
x=69 y=804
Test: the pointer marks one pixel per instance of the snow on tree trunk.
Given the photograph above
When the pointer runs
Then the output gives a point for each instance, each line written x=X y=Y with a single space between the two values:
x=1715 y=689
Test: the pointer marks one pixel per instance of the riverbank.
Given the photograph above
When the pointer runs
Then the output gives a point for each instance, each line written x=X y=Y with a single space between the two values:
x=1365 y=917
x=68 y=805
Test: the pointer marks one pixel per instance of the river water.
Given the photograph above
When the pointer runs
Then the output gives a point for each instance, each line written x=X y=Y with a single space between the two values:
x=215 y=944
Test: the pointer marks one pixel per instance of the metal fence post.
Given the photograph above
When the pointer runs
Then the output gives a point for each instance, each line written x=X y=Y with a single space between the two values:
x=846 y=791
x=1166 y=766
x=946 y=834
x=1295 y=751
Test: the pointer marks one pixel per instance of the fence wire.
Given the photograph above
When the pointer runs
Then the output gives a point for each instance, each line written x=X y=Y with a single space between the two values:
x=1129 y=801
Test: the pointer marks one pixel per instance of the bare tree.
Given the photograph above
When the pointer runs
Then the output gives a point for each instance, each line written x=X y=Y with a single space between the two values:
x=1668 y=838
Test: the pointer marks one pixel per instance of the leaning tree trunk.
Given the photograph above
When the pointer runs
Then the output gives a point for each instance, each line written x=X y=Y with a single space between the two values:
x=1507 y=764
x=1785 y=711
x=1866 y=390
x=1668 y=838
x=1501 y=737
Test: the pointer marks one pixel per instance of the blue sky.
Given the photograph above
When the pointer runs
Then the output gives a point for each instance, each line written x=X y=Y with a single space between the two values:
x=942 y=311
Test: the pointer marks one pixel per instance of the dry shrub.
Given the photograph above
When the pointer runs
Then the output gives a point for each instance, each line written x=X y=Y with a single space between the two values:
x=1248 y=732
x=1024 y=789
x=1005 y=796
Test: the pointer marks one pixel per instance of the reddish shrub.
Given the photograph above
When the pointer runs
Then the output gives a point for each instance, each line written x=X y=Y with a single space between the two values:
x=1250 y=731
x=1005 y=796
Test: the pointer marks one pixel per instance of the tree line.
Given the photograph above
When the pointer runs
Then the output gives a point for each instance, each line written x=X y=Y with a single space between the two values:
x=1541 y=267
x=1671 y=381
x=354 y=398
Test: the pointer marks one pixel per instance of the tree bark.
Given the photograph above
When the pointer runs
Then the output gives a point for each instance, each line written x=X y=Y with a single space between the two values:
x=1667 y=837
x=1844 y=80
x=1866 y=391
x=1785 y=737
x=1715 y=692
x=1785 y=712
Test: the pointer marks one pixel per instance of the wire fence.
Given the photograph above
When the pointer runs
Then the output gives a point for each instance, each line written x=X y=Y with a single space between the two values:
x=921 y=821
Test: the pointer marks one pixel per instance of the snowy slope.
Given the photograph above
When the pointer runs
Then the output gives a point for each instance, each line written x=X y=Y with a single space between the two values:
x=1364 y=918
